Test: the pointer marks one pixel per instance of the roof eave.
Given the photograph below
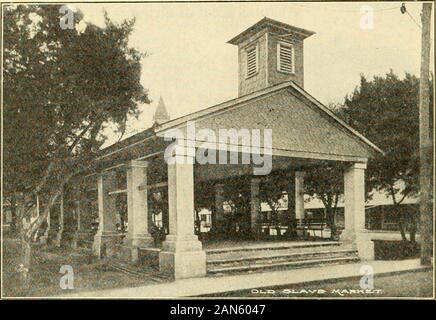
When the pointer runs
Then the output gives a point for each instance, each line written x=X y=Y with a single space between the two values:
x=265 y=23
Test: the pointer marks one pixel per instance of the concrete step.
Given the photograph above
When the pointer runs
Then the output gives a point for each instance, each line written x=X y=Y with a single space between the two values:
x=282 y=265
x=273 y=247
x=139 y=272
x=272 y=251
x=278 y=256
x=271 y=257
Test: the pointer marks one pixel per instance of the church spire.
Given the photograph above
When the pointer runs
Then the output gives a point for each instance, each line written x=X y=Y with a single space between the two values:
x=161 y=114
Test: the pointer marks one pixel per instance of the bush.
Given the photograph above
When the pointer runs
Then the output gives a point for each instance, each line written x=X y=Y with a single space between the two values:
x=396 y=250
x=158 y=235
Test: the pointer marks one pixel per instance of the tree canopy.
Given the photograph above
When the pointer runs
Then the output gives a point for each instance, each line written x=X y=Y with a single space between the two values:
x=326 y=183
x=385 y=110
x=61 y=87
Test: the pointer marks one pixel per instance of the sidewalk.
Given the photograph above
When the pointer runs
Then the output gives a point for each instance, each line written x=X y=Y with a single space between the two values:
x=210 y=285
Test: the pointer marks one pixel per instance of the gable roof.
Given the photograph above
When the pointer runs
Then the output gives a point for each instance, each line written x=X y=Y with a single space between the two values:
x=213 y=111
x=181 y=121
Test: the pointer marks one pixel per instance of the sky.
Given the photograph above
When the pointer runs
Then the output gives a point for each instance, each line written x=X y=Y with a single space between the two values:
x=192 y=67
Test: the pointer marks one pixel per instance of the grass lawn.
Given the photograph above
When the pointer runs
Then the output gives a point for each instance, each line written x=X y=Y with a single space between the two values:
x=89 y=274
x=409 y=284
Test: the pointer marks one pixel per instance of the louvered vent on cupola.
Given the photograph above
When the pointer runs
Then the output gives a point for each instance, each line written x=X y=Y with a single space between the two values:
x=285 y=57
x=252 y=64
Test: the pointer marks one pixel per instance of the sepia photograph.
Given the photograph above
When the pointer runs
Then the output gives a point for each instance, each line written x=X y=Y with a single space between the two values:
x=246 y=150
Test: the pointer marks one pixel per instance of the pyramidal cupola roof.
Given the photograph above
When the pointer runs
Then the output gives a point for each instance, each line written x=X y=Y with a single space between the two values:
x=161 y=114
x=271 y=25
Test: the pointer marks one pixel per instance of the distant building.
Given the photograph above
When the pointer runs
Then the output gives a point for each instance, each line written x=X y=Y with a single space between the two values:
x=161 y=114
x=380 y=213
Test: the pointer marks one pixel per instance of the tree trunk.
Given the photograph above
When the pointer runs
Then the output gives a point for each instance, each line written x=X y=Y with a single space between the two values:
x=330 y=219
x=26 y=254
x=330 y=215
x=197 y=223
x=275 y=220
x=56 y=175
x=401 y=224
x=13 y=214
x=400 y=214
x=213 y=222
x=279 y=231
x=413 y=227
x=26 y=259
x=29 y=229
x=413 y=235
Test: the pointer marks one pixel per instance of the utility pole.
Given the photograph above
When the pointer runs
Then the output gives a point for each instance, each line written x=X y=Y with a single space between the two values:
x=425 y=144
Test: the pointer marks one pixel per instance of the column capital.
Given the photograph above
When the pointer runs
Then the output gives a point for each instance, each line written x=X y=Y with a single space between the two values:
x=180 y=158
x=299 y=174
x=358 y=165
x=180 y=154
x=136 y=164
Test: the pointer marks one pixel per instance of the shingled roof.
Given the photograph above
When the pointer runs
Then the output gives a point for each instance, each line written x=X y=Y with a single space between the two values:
x=300 y=122
x=322 y=113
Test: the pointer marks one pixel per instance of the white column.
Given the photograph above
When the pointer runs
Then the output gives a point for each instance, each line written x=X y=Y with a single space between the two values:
x=255 y=206
x=78 y=215
x=182 y=254
x=76 y=232
x=291 y=196
x=291 y=222
x=106 y=237
x=354 y=192
x=299 y=195
x=137 y=207
x=48 y=223
x=44 y=238
x=59 y=234
x=84 y=213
